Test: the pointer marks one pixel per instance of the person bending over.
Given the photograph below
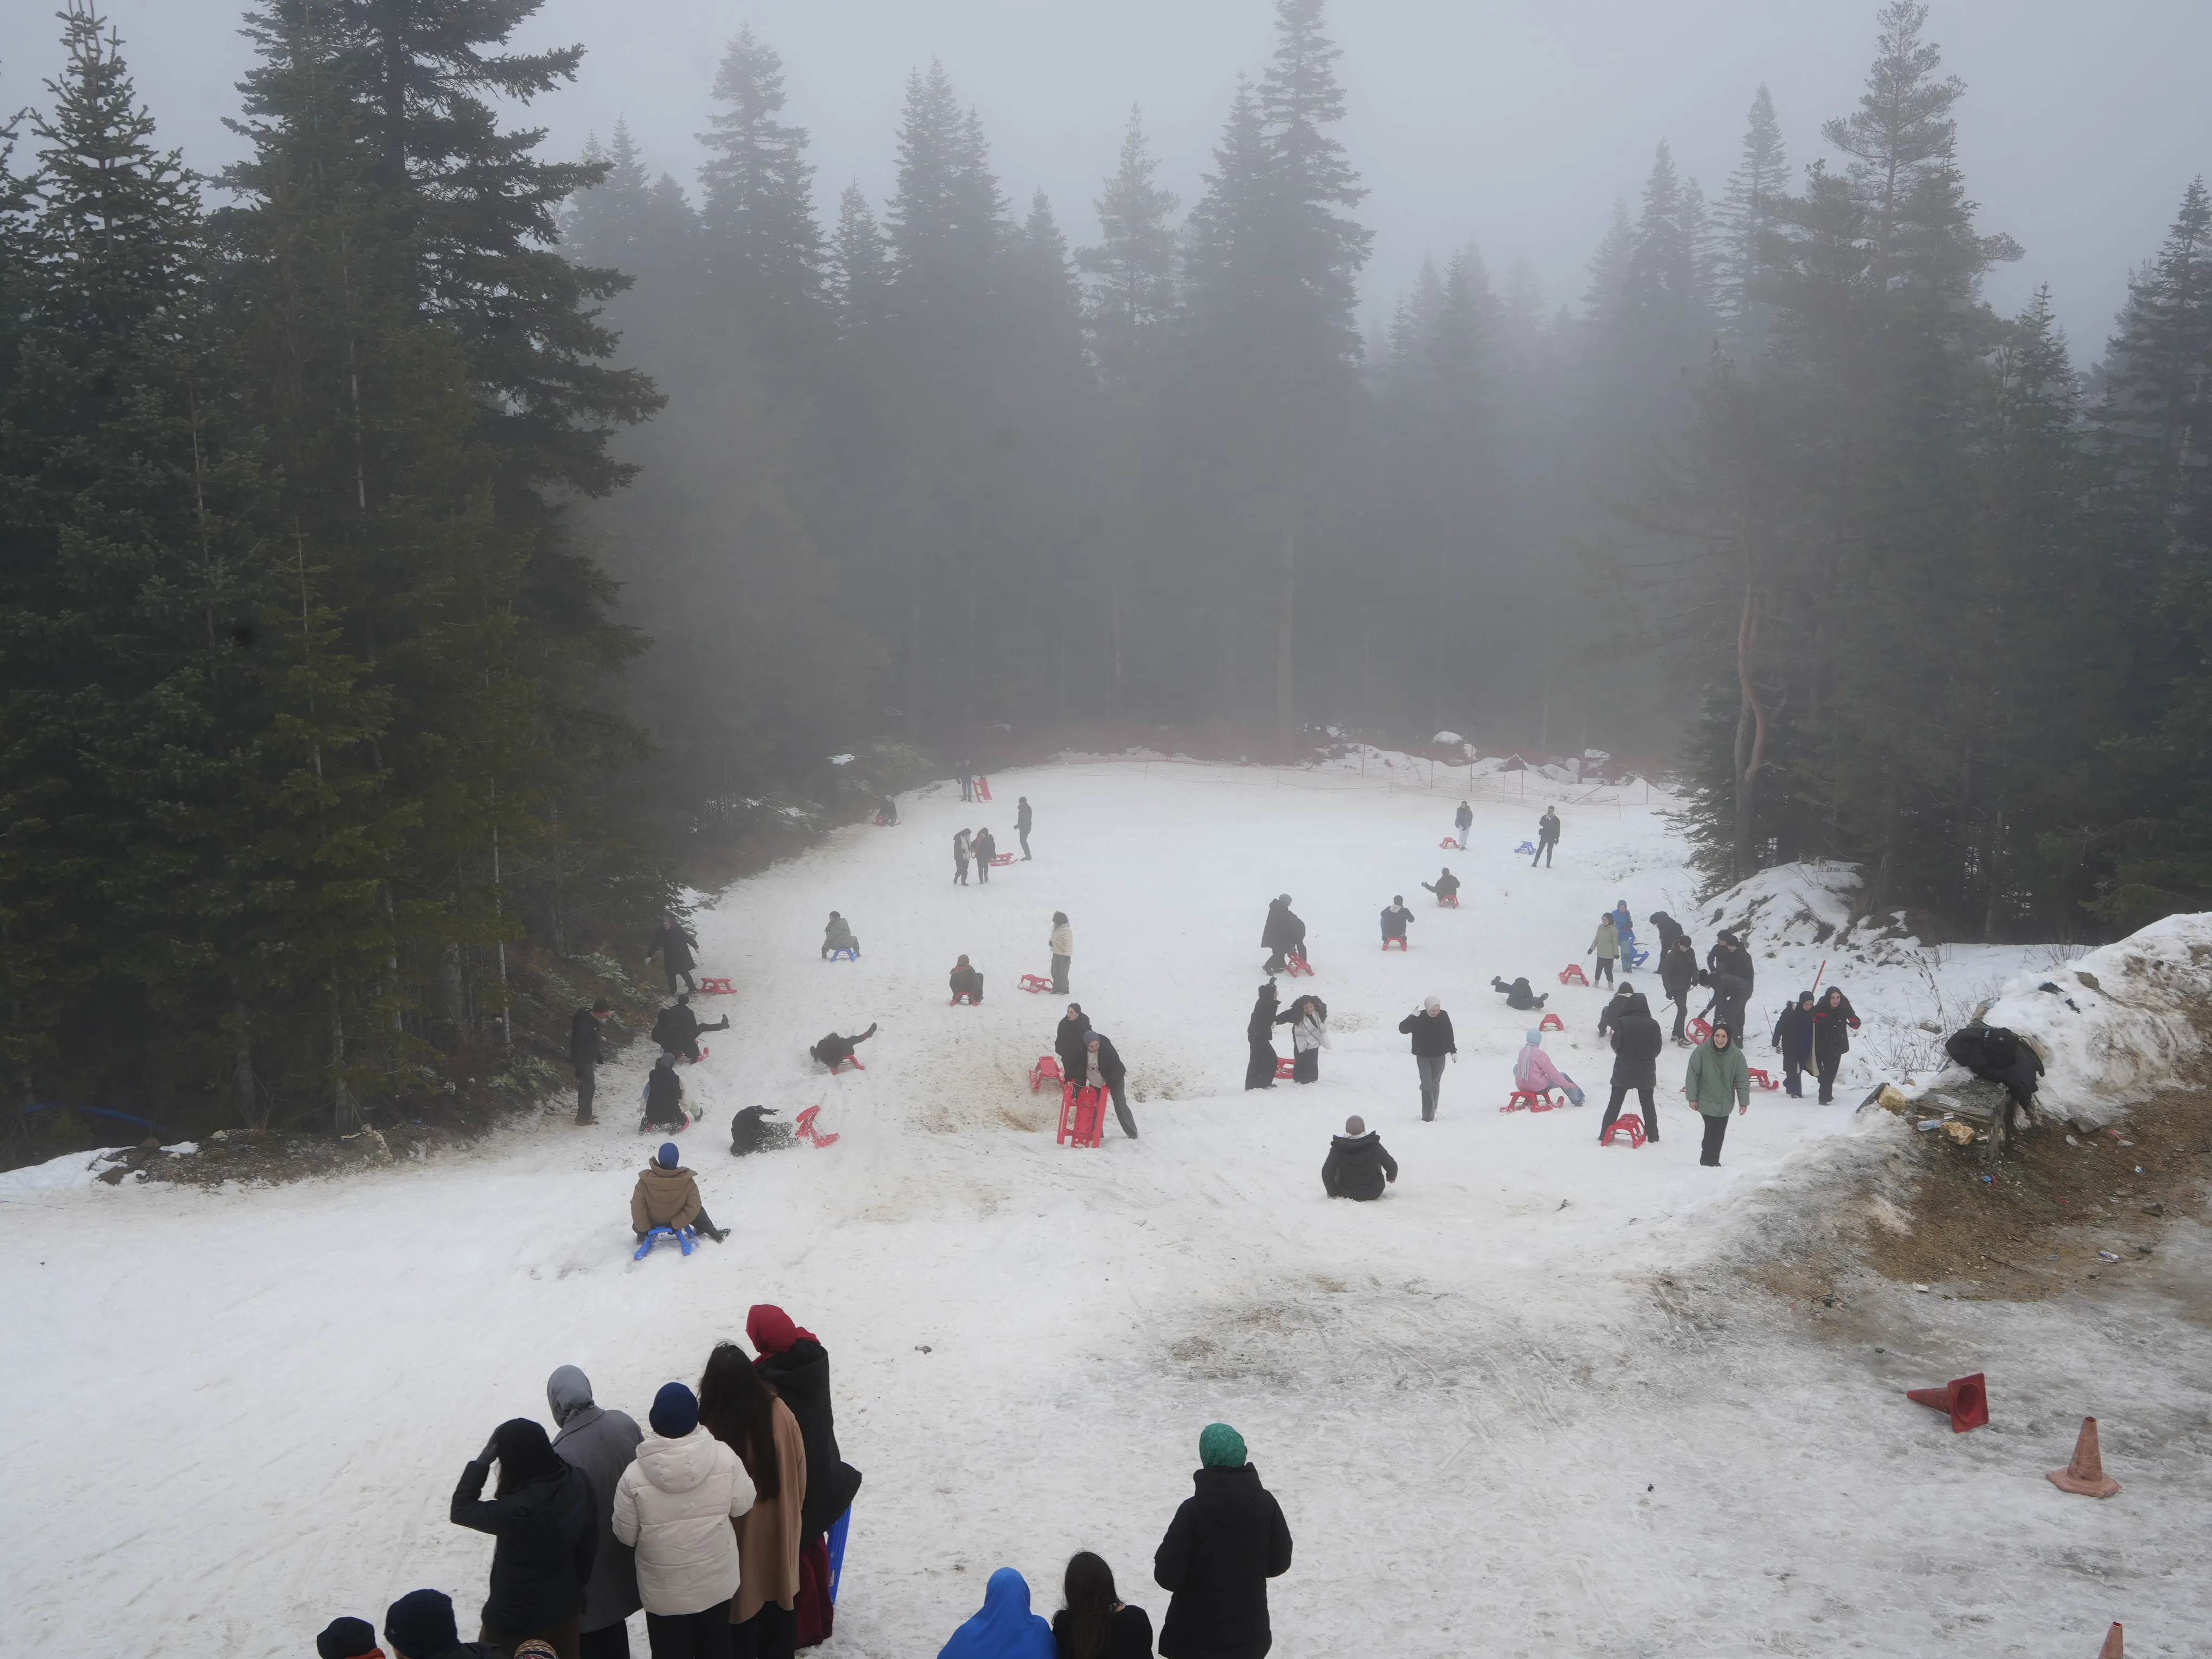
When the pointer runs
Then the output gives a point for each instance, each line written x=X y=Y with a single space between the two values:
x=1357 y=1166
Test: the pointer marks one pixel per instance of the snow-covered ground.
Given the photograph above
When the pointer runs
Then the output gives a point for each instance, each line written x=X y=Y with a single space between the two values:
x=1525 y=1406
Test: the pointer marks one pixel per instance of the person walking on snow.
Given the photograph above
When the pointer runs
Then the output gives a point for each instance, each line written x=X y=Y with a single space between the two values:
x=674 y=1506
x=1067 y=1042
x=837 y=935
x=667 y=1195
x=1463 y=821
x=1024 y=821
x=1547 y=838
x=1102 y=1063
x=1669 y=930
x=1534 y=1073
x=1308 y=1018
x=585 y=1054
x=542 y=1514
x=603 y=1443
x=675 y=943
x=1283 y=935
x=1062 y=946
x=1833 y=1022
x=1396 y=918
x=960 y=846
x=985 y=847
x=1357 y=1166
x=1430 y=1029
x=1718 y=1078
x=664 y=1097
x=1606 y=947
x=1446 y=886
x=1260 y=1041
x=1793 y=1040
x=1637 y=1040
x=1677 y=973
x=1227 y=1541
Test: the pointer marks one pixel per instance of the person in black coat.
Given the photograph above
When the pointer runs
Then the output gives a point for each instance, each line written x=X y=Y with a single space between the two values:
x=1729 y=955
x=420 y=1625
x=1637 y=1040
x=1793 y=1037
x=1547 y=837
x=674 y=943
x=1678 y=972
x=664 y=1097
x=1283 y=935
x=1260 y=1039
x=1025 y=821
x=1518 y=995
x=543 y=1515
x=1096 y=1623
x=1430 y=1027
x=1446 y=886
x=1395 y=918
x=834 y=1050
x=1227 y=1540
x=1669 y=930
x=966 y=981
x=584 y=1054
x=1626 y=998
x=794 y=1363
x=983 y=849
x=1833 y=1022
x=1357 y=1166
x=1730 y=993
x=1067 y=1043
x=1103 y=1066
x=677 y=1028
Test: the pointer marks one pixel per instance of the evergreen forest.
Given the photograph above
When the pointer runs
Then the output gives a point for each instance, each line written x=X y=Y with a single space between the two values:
x=418 y=551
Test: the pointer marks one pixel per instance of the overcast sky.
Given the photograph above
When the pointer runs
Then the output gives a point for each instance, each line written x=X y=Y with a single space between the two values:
x=1514 y=122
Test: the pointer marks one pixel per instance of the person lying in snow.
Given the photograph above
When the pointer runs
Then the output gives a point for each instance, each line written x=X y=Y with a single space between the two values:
x=750 y=1132
x=667 y=1195
x=833 y=1051
x=1518 y=995
x=1534 y=1072
x=1357 y=1166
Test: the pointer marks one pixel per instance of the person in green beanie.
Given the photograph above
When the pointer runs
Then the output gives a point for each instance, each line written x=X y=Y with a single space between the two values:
x=1718 y=1077
x=1227 y=1541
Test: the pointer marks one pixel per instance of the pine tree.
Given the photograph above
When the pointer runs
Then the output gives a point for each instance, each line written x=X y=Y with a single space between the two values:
x=1901 y=130
x=1133 y=293
x=1746 y=221
x=764 y=249
x=859 y=263
x=948 y=221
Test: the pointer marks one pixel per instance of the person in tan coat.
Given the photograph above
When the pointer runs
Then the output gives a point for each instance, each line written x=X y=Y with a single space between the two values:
x=740 y=1408
x=667 y=1195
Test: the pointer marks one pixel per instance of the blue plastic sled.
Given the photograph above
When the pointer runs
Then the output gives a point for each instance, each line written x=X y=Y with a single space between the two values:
x=1637 y=958
x=847 y=955
x=684 y=1238
x=838 y=1528
x=1528 y=846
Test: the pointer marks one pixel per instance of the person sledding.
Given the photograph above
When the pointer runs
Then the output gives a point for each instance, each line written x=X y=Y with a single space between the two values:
x=1518 y=995
x=667 y=1195
x=664 y=1097
x=1534 y=1073
x=966 y=981
x=1283 y=935
x=834 y=1050
x=838 y=936
x=1357 y=1166
x=750 y=1132
x=1446 y=886
x=1396 y=918
x=677 y=1030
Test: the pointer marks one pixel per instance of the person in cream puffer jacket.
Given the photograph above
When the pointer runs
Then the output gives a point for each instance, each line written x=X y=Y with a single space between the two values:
x=674 y=1504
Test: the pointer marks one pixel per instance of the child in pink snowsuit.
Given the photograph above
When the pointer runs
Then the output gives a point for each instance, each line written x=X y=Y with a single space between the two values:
x=1534 y=1071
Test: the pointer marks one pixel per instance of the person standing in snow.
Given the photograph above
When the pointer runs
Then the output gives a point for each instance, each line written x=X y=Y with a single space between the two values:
x=1518 y=995
x=1637 y=1040
x=1069 y=1042
x=1430 y=1029
x=674 y=943
x=967 y=782
x=837 y=935
x=966 y=982
x=1730 y=956
x=1606 y=948
x=420 y=1625
x=1357 y=1166
x=1669 y=930
x=794 y=1363
x=543 y=1520
x=1678 y=972
x=1729 y=995
x=664 y=1097
x=1103 y=1066
x=603 y=1443
x=1624 y=1000
x=674 y=1506
x=1025 y=821
x=738 y=1407
x=1260 y=1041
x=1833 y=1022
x=1003 y=1627
x=985 y=847
x=1283 y=935
x=1547 y=838
x=585 y=1054
x=1793 y=1039
x=960 y=846
x=1624 y=930
x=1446 y=886
x=1062 y=946
x=1396 y=918
x=1463 y=821
x=667 y=1195
x=1227 y=1541
x=834 y=1050
x=1308 y=1018
x=1534 y=1073
x=1096 y=1623
x=352 y=1639
x=1718 y=1080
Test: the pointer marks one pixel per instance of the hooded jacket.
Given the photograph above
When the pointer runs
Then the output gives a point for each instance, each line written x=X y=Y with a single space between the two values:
x=1624 y=1002
x=1717 y=1080
x=1533 y=1070
x=602 y=1443
x=1678 y=971
x=1357 y=1166
x=663 y=1198
x=1003 y=1627
x=1227 y=1540
x=547 y=1535
x=1637 y=1040
x=799 y=1373
x=837 y=934
x=1669 y=929
x=1832 y=1029
x=1395 y=918
x=1283 y=931
x=1607 y=943
x=674 y=1506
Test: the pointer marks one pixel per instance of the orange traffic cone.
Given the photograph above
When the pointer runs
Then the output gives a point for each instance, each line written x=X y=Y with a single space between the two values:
x=2111 y=1648
x=1966 y=1400
x=2086 y=1475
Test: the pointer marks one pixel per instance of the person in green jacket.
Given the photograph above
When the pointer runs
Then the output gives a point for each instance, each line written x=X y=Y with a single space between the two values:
x=1719 y=1077
x=1606 y=947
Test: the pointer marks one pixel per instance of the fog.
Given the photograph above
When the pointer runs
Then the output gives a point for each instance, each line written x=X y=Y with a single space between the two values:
x=1515 y=124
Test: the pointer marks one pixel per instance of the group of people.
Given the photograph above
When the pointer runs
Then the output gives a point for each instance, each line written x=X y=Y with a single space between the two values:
x=1088 y=1059
x=714 y=1520
x=1308 y=1018
x=979 y=847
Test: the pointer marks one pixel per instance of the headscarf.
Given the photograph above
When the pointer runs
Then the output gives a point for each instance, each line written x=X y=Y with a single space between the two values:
x=770 y=1330
x=1005 y=1628
x=524 y=1454
x=1219 y=1446
x=567 y=1391
x=1536 y=1039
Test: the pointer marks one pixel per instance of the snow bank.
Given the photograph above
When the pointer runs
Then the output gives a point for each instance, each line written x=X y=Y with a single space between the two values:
x=1806 y=903
x=2119 y=1024
x=69 y=1173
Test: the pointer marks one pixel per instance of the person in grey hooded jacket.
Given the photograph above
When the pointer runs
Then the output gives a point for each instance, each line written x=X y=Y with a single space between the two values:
x=602 y=1443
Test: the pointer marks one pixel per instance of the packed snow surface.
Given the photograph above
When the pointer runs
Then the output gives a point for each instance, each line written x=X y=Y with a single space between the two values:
x=1523 y=1406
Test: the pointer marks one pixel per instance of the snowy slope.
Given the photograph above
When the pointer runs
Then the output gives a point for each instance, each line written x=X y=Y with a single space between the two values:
x=1518 y=1407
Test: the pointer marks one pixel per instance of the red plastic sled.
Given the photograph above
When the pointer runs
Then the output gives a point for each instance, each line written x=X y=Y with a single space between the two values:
x=959 y=996
x=1447 y=902
x=1000 y=860
x=1761 y=1078
x=1631 y=1124
x=982 y=788
x=1400 y=942
x=1453 y=843
x=1287 y=1068
x=1036 y=983
x=1082 y=1115
x=1047 y=1069
x=1530 y=1100
x=1699 y=1030
x=803 y=1128
x=1551 y=1023
x=852 y=1060
x=1298 y=964
x=1572 y=974
x=715 y=988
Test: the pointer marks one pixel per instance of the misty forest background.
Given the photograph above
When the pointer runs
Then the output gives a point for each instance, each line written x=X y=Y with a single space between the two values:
x=417 y=550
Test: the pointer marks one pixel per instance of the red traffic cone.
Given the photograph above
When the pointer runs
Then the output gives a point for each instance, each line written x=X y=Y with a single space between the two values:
x=1966 y=1399
x=2085 y=1473
x=2111 y=1648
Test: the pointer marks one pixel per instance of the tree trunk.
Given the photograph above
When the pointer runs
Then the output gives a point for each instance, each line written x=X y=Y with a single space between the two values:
x=913 y=640
x=345 y=1114
x=1285 y=612
x=250 y=1109
x=1751 y=757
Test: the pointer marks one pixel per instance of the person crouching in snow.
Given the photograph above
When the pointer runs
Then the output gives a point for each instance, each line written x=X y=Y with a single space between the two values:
x=667 y=1195
x=833 y=1051
x=1518 y=996
x=1357 y=1166
x=1534 y=1072
x=1308 y=1018
x=1395 y=918
x=967 y=981
x=664 y=1097
x=838 y=936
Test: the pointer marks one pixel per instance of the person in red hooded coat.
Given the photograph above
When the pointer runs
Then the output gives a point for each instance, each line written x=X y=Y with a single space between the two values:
x=793 y=1362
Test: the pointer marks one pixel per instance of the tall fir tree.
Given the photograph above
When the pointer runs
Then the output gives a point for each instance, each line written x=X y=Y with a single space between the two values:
x=1133 y=266
x=764 y=249
x=1745 y=223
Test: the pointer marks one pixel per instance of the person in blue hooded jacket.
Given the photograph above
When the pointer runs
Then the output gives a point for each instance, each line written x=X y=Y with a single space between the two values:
x=1004 y=1628
x=1226 y=1542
